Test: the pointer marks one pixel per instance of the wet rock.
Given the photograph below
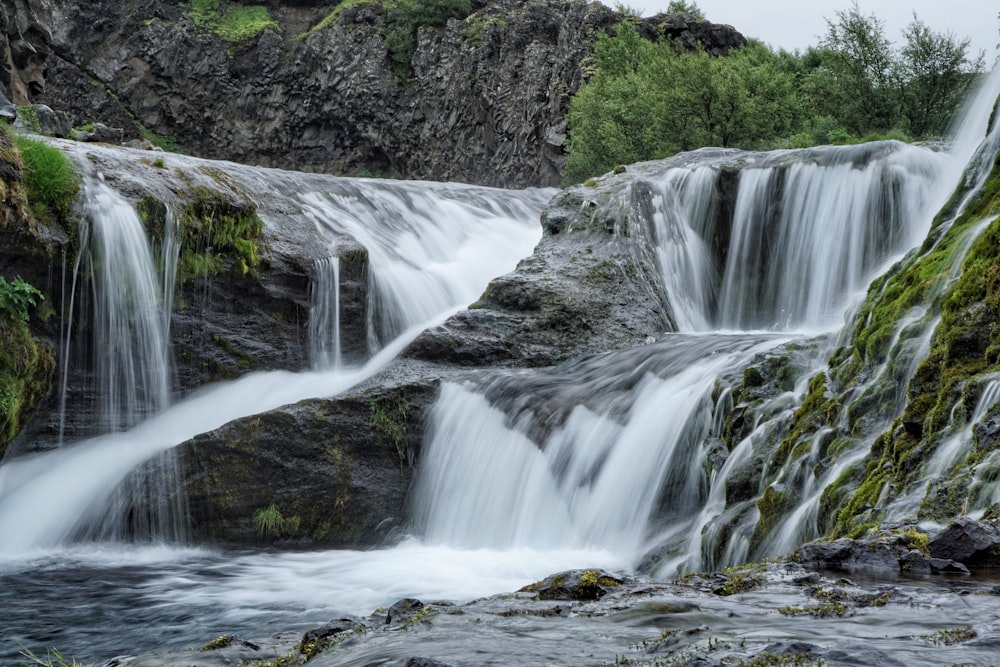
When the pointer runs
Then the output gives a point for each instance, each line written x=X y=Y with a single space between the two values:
x=976 y=544
x=403 y=610
x=885 y=552
x=591 y=285
x=418 y=662
x=334 y=472
x=332 y=629
x=574 y=585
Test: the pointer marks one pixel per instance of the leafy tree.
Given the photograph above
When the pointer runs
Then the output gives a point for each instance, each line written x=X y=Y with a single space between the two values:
x=859 y=71
x=683 y=7
x=649 y=100
x=937 y=72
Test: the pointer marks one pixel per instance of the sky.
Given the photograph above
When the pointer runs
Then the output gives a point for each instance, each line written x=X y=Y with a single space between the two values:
x=796 y=24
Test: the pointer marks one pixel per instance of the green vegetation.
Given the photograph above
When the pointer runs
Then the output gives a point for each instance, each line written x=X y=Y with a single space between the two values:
x=684 y=7
x=388 y=417
x=167 y=143
x=26 y=366
x=405 y=17
x=49 y=178
x=648 y=100
x=237 y=24
x=269 y=521
x=216 y=233
x=53 y=658
x=16 y=297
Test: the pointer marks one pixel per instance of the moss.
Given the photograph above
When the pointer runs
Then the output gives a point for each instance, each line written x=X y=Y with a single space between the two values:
x=951 y=636
x=479 y=24
x=822 y=610
x=223 y=641
x=26 y=369
x=816 y=411
x=237 y=24
x=772 y=505
x=216 y=234
x=388 y=417
x=334 y=17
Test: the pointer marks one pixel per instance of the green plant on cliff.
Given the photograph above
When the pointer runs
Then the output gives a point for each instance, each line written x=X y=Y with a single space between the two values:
x=215 y=232
x=269 y=521
x=16 y=297
x=26 y=366
x=49 y=177
x=405 y=17
x=237 y=24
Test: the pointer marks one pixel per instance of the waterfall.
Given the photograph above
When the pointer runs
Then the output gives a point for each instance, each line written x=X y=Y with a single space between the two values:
x=431 y=249
x=324 y=314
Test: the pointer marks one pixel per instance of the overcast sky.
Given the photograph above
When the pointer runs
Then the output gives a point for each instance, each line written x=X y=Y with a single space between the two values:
x=796 y=24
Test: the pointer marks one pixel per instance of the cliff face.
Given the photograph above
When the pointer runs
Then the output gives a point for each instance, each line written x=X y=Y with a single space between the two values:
x=484 y=100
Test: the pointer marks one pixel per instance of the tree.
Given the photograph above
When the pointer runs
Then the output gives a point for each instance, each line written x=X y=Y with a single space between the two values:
x=936 y=71
x=859 y=60
x=683 y=7
x=650 y=100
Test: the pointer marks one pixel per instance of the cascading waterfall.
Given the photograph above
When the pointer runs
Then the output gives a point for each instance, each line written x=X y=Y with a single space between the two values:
x=431 y=249
x=626 y=463
x=809 y=231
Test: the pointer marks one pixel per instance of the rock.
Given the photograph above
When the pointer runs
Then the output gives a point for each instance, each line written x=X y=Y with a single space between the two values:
x=418 y=662
x=484 y=100
x=574 y=585
x=403 y=610
x=8 y=111
x=103 y=134
x=975 y=544
x=335 y=471
x=332 y=629
x=52 y=123
x=886 y=552
x=591 y=285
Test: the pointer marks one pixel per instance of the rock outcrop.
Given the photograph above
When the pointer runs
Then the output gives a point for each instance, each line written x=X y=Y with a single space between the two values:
x=484 y=98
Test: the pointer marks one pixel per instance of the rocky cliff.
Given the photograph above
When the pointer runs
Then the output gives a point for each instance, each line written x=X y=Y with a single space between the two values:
x=482 y=100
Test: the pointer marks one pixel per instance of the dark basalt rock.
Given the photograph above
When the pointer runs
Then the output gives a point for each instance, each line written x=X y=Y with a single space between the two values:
x=591 y=285
x=886 y=553
x=338 y=471
x=973 y=543
x=574 y=585
x=484 y=101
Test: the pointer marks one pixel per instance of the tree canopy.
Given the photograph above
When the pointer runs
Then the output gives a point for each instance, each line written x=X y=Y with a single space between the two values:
x=650 y=99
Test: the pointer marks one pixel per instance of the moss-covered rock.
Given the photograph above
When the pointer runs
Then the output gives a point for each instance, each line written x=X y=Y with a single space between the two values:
x=333 y=472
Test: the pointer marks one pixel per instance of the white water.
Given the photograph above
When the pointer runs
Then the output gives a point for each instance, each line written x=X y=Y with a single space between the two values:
x=460 y=235
x=324 y=314
x=605 y=486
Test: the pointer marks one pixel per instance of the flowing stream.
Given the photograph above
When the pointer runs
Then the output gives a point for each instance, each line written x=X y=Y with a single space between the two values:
x=623 y=479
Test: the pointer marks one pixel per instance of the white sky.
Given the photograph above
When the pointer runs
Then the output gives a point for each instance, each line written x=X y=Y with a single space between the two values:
x=796 y=24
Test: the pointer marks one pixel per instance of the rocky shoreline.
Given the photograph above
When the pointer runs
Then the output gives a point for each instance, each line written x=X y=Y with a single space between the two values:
x=861 y=601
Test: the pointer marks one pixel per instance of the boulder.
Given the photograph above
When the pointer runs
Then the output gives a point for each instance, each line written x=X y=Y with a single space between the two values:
x=574 y=585
x=53 y=123
x=102 y=133
x=327 y=471
x=975 y=544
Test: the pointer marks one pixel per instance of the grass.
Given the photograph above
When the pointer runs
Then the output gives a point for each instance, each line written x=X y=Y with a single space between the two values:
x=269 y=521
x=49 y=177
x=53 y=658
